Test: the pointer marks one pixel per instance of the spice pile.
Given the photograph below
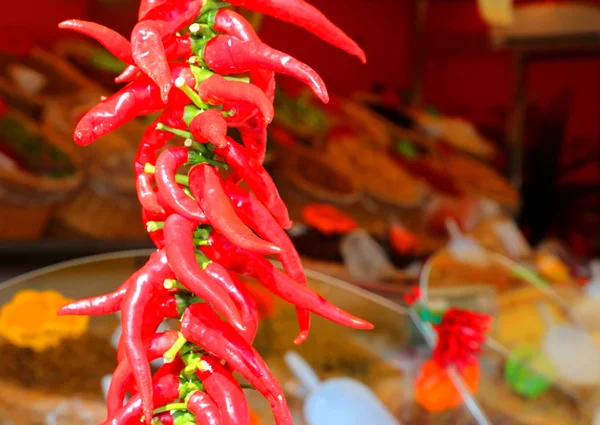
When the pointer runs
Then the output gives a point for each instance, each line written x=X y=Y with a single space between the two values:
x=205 y=68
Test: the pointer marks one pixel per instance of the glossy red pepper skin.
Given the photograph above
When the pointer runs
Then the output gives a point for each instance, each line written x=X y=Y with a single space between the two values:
x=152 y=141
x=302 y=14
x=209 y=126
x=165 y=418
x=201 y=325
x=204 y=409
x=149 y=35
x=147 y=5
x=98 y=305
x=216 y=90
x=257 y=217
x=140 y=97
x=167 y=165
x=145 y=284
x=207 y=186
x=128 y=74
x=222 y=387
x=254 y=136
x=227 y=55
x=155 y=347
x=163 y=392
x=257 y=179
x=257 y=267
x=241 y=297
x=180 y=253
x=114 y=42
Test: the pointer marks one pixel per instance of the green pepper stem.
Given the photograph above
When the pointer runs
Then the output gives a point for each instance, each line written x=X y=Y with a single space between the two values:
x=181 y=84
x=171 y=353
x=203 y=260
x=149 y=168
x=175 y=131
x=153 y=226
x=170 y=407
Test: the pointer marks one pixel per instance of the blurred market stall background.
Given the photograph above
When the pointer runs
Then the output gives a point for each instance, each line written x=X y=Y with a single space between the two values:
x=464 y=157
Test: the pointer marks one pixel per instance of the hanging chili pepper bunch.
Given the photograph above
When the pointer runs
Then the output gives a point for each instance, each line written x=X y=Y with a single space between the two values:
x=205 y=69
x=460 y=334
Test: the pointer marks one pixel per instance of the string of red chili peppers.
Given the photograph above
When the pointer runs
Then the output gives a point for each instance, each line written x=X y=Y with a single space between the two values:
x=206 y=69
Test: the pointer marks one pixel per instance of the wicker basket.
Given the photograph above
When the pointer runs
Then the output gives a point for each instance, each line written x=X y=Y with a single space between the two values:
x=27 y=199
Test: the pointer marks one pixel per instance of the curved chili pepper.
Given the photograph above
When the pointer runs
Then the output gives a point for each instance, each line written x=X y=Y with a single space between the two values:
x=302 y=14
x=164 y=391
x=98 y=305
x=127 y=75
x=114 y=42
x=216 y=90
x=211 y=126
x=257 y=178
x=206 y=185
x=167 y=165
x=180 y=253
x=140 y=97
x=226 y=55
x=256 y=216
x=254 y=136
x=239 y=294
x=165 y=418
x=157 y=236
x=257 y=267
x=154 y=347
x=204 y=409
x=145 y=283
x=201 y=325
x=147 y=39
x=222 y=387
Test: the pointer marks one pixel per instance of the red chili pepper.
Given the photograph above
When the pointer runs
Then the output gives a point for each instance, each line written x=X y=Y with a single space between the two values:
x=149 y=35
x=226 y=55
x=164 y=391
x=173 y=368
x=207 y=186
x=259 y=268
x=204 y=409
x=98 y=305
x=167 y=165
x=114 y=42
x=129 y=74
x=257 y=178
x=140 y=97
x=216 y=90
x=180 y=253
x=145 y=284
x=240 y=295
x=254 y=136
x=147 y=5
x=222 y=387
x=201 y=325
x=165 y=418
x=157 y=236
x=256 y=216
x=302 y=14
x=210 y=126
x=155 y=347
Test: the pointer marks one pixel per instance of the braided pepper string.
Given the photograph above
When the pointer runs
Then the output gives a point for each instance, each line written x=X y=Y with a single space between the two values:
x=202 y=66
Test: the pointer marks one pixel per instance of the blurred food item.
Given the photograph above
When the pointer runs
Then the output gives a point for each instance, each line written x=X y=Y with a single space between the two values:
x=365 y=259
x=301 y=115
x=370 y=125
x=440 y=209
x=551 y=267
x=500 y=234
x=529 y=372
x=476 y=178
x=37 y=171
x=435 y=391
x=92 y=60
x=458 y=133
x=328 y=219
x=30 y=320
x=317 y=177
x=402 y=240
x=42 y=74
x=380 y=176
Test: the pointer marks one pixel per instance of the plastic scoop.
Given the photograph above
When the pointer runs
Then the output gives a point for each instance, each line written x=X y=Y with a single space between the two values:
x=463 y=248
x=337 y=401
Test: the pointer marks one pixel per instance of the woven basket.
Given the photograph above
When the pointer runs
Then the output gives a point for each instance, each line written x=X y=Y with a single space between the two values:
x=27 y=199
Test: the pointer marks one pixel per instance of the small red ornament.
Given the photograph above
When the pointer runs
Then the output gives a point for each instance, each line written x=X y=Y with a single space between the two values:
x=460 y=335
